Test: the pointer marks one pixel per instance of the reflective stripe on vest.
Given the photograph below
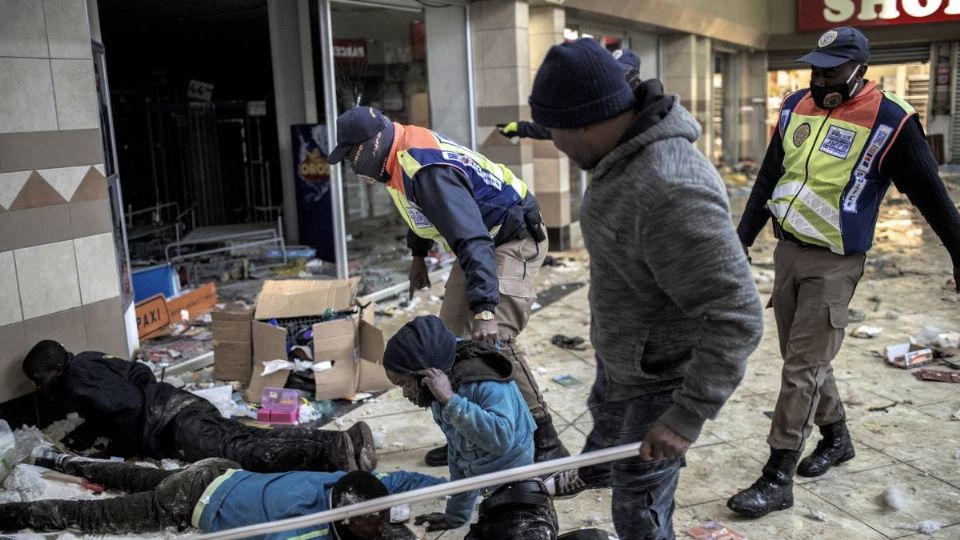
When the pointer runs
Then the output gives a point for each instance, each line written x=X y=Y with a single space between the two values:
x=831 y=187
x=495 y=187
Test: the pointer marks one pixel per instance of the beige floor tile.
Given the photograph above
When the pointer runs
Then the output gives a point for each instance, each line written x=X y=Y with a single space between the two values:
x=792 y=524
x=742 y=417
x=715 y=472
x=861 y=495
x=904 y=432
x=946 y=410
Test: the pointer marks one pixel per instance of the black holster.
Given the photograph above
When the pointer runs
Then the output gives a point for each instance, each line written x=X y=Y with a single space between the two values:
x=534 y=223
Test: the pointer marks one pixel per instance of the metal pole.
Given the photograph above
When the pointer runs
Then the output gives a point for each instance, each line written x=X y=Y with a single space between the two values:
x=432 y=492
x=471 y=94
x=330 y=103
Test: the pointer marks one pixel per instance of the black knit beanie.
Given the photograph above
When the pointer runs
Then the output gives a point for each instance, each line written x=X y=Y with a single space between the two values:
x=578 y=84
x=422 y=343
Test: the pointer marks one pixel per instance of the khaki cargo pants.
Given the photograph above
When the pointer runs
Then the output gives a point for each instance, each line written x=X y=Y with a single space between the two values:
x=517 y=265
x=812 y=289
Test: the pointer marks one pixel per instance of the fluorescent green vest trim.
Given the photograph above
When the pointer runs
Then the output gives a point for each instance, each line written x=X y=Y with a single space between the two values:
x=819 y=156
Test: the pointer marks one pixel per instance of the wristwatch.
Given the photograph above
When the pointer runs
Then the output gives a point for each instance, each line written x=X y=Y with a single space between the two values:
x=484 y=316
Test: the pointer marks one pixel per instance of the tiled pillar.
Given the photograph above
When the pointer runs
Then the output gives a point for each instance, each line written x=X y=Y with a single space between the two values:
x=551 y=167
x=501 y=66
x=688 y=72
x=58 y=265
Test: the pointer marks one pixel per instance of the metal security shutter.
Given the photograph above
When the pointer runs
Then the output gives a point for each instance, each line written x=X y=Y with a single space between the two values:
x=900 y=54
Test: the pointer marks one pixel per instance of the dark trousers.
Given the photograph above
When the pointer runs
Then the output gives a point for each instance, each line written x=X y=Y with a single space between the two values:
x=607 y=420
x=643 y=491
x=200 y=432
x=157 y=499
x=525 y=516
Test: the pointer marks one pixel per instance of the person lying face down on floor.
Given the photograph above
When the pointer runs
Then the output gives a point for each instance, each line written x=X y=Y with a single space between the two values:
x=469 y=388
x=212 y=495
x=122 y=401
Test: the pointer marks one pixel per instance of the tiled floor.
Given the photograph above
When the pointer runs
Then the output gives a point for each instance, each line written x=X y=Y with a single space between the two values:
x=910 y=445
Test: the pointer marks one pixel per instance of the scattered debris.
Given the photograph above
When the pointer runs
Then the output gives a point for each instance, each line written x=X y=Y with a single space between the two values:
x=566 y=380
x=397 y=444
x=936 y=375
x=380 y=438
x=535 y=306
x=59 y=429
x=894 y=498
x=818 y=515
x=884 y=408
x=929 y=526
x=865 y=331
x=892 y=315
x=567 y=342
x=956 y=454
x=593 y=519
x=906 y=355
x=714 y=530
x=400 y=514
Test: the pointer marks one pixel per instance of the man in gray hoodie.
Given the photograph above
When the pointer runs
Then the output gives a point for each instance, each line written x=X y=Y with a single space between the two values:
x=675 y=312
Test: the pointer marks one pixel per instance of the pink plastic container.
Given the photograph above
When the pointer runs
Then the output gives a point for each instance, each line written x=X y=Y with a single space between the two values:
x=279 y=406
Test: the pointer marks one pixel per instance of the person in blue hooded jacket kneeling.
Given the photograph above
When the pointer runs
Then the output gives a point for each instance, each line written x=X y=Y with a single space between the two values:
x=470 y=390
x=213 y=494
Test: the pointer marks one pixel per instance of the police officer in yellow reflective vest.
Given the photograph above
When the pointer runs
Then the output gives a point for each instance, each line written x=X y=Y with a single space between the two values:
x=833 y=154
x=480 y=211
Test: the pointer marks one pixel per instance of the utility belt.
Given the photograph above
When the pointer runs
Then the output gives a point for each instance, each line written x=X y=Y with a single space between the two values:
x=524 y=492
x=781 y=234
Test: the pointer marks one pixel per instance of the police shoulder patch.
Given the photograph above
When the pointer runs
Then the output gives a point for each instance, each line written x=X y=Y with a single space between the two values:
x=800 y=134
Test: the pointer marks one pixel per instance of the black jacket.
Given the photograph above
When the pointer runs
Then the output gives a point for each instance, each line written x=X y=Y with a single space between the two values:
x=122 y=401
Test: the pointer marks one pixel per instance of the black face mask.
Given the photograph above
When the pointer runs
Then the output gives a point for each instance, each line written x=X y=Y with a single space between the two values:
x=370 y=162
x=833 y=95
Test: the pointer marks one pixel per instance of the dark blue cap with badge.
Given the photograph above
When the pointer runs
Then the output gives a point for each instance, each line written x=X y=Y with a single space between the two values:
x=627 y=58
x=355 y=126
x=838 y=46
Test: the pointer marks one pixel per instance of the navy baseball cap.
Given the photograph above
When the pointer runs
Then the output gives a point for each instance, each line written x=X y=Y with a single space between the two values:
x=627 y=58
x=838 y=46
x=355 y=126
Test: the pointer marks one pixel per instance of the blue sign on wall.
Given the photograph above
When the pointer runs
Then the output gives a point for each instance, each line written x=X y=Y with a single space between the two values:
x=312 y=173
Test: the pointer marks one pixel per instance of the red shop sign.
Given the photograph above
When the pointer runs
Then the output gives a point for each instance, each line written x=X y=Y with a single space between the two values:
x=824 y=14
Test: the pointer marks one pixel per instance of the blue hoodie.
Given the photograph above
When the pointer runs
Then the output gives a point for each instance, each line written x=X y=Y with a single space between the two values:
x=488 y=428
x=238 y=498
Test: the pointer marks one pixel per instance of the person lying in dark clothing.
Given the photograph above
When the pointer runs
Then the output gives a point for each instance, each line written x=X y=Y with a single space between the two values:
x=123 y=401
x=211 y=495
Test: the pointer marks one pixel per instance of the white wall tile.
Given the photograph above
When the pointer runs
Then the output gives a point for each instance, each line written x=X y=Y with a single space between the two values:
x=47 y=276
x=76 y=94
x=97 y=267
x=9 y=293
x=26 y=95
x=10 y=186
x=22 y=32
x=68 y=28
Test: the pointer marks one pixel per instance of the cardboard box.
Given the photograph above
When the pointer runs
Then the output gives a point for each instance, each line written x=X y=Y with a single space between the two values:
x=350 y=348
x=232 y=342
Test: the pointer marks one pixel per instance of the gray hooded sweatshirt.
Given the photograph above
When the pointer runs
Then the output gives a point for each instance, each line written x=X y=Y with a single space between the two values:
x=672 y=299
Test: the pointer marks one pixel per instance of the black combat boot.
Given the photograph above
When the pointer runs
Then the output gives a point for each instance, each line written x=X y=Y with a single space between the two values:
x=833 y=449
x=437 y=457
x=546 y=441
x=774 y=489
